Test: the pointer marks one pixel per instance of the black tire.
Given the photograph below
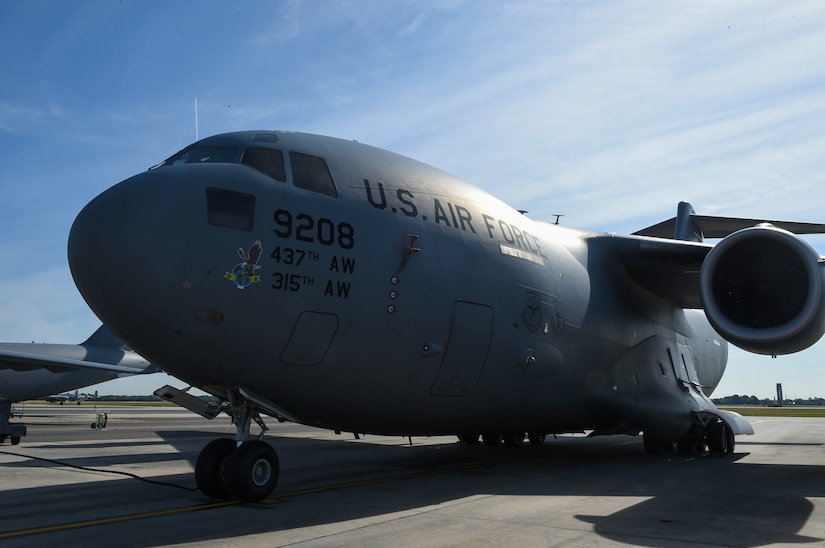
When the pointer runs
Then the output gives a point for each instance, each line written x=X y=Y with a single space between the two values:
x=513 y=439
x=689 y=446
x=211 y=466
x=652 y=444
x=2 y=438
x=253 y=471
x=536 y=438
x=716 y=435
x=15 y=440
x=469 y=439
x=731 y=440
x=491 y=439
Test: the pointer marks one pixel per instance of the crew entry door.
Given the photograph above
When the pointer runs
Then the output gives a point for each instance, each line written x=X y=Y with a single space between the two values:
x=466 y=353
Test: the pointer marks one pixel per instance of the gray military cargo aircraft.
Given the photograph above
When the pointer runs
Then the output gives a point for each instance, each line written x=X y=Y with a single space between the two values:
x=338 y=285
x=29 y=371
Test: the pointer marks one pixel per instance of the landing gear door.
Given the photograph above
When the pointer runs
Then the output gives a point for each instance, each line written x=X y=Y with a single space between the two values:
x=466 y=354
x=684 y=369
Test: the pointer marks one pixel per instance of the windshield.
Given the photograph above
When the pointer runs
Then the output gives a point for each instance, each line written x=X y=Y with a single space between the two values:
x=203 y=153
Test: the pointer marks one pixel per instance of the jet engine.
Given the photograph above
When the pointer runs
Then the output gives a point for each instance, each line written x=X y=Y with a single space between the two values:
x=762 y=290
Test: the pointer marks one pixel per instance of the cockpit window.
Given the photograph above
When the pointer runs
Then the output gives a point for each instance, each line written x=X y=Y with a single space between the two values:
x=312 y=173
x=203 y=153
x=268 y=160
x=230 y=209
x=308 y=172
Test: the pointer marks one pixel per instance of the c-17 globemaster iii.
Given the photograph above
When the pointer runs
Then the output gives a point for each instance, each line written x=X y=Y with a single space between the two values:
x=338 y=285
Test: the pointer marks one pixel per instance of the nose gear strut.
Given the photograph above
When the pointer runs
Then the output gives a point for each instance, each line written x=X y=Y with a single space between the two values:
x=243 y=413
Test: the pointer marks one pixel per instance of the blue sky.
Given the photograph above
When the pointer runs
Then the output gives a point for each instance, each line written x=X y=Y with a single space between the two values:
x=607 y=112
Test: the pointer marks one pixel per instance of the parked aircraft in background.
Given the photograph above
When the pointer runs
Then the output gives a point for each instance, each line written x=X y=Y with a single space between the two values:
x=73 y=397
x=338 y=285
x=30 y=370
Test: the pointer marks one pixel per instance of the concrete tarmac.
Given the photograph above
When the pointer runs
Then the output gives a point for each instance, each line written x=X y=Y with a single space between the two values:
x=132 y=484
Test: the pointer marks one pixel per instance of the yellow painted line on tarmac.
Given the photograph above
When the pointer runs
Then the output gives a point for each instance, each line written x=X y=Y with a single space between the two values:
x=275 y=499
x=115 y=519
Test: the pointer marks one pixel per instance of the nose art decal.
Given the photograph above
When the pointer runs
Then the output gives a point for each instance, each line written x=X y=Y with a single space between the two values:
x=243 y=274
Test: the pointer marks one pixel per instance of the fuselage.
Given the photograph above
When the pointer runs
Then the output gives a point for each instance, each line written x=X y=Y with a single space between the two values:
x=364 y=291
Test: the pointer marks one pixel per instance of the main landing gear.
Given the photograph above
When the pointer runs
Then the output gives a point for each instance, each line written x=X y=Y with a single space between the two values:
x=510 y=439
x=245 y=469
x=717 y=437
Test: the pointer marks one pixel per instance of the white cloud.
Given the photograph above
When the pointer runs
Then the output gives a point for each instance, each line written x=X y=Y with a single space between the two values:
x=286 y=26
x=413 y=25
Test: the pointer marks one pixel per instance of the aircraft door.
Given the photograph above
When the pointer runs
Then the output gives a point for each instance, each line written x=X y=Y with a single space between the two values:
x=466 y=353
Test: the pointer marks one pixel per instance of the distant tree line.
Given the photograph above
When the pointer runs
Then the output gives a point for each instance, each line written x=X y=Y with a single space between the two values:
x=115 y=398
x=126 y=398
x=753 y=400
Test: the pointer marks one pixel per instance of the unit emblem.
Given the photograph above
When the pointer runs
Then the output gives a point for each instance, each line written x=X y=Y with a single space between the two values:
x=243 y=274
x=532 y=316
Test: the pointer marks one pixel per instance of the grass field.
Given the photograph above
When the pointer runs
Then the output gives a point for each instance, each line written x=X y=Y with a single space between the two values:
x=87 y=403
x=778 y=411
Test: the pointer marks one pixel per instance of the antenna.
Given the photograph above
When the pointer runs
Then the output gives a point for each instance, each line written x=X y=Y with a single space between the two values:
x=196 y=118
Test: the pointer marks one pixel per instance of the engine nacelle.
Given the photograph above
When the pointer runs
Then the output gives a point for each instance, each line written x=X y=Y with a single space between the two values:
x=762 y=289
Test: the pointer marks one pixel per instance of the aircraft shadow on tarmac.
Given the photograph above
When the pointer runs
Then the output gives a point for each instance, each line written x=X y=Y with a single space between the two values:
x=704 y=499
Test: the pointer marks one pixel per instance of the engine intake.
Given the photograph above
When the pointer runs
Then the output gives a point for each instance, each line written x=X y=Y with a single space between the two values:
x=762 y=290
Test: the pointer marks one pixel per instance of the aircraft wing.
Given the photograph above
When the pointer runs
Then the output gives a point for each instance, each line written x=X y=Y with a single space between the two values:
x=719 y=227
x=22 y=361
x=665 y=259
x=666 y=268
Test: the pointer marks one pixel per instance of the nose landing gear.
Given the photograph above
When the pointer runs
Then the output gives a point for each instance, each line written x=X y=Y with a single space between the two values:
x=245 y=469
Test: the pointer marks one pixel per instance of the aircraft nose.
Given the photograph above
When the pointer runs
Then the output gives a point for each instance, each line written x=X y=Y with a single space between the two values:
x=126 y=248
